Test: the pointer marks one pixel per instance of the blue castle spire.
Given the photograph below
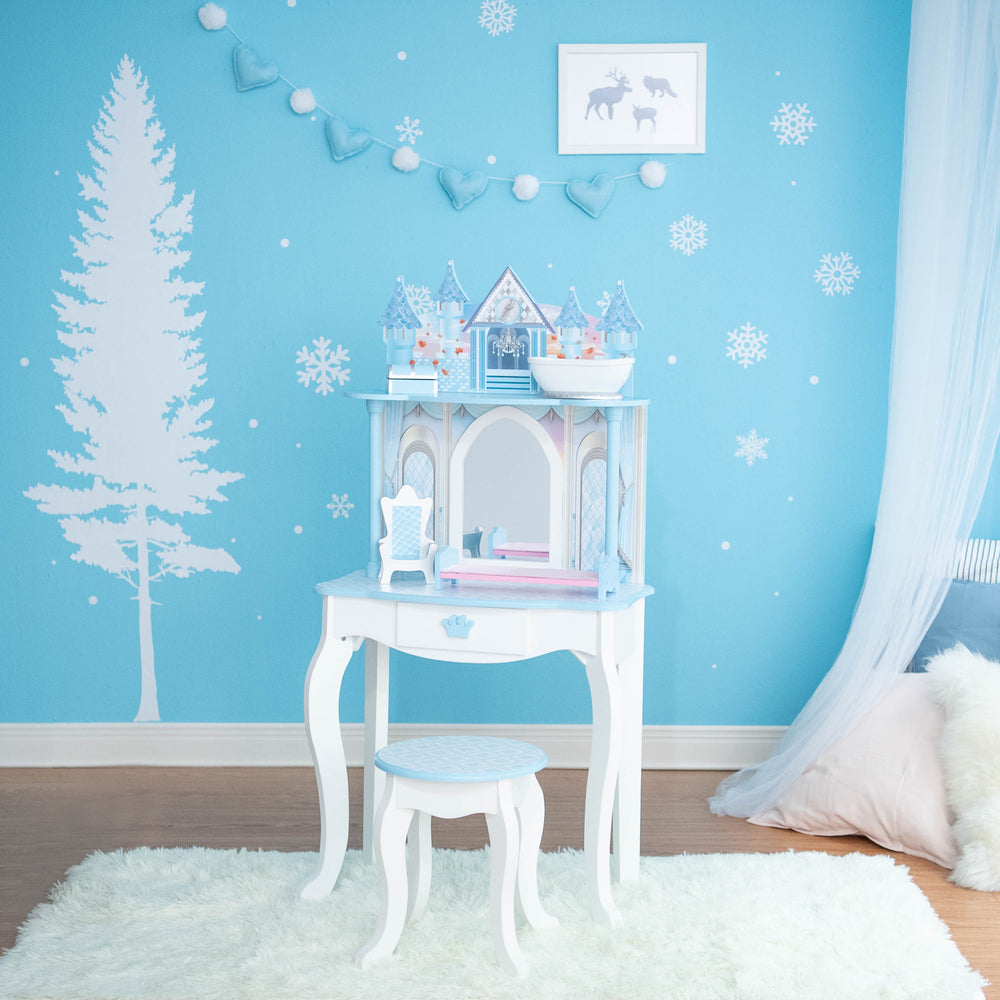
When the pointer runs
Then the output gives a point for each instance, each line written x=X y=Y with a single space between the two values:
x=451 y=290
x=399 y=326
x=399 y=314
x=619 y=325
x=572 y=314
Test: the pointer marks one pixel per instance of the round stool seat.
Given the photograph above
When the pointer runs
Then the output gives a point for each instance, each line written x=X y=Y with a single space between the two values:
x=460 y=758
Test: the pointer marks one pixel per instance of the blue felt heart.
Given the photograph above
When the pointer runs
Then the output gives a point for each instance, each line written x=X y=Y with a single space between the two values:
x=592 y=196
x=462 y=188
x=345 y=141
x=252 y=71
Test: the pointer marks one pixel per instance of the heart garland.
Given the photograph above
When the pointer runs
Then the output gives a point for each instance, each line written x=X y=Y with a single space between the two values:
x=462 y=188
x=592 y=196
x=345 y=141
x=252 y=71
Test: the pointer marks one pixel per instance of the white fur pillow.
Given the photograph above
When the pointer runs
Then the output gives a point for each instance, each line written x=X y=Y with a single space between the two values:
x=967 y=686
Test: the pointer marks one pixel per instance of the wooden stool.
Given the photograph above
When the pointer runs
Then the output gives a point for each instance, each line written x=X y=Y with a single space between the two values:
x=450 y=776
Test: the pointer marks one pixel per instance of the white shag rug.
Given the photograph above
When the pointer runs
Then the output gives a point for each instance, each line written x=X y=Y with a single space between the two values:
x=198 y=924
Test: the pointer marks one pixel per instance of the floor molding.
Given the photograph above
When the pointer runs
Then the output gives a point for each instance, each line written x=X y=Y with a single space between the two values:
x=168 y=744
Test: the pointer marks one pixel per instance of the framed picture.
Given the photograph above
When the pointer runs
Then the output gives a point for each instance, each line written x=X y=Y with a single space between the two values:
x=632 y=98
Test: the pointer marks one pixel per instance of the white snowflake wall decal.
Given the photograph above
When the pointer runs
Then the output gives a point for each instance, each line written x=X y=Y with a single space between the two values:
x=688 y=234
x=420 y=300
x=409 y=130
x=751 y=447
x=323 y=366
x=340 y=506
x=747 y=345
x=792 y=125
x=837 y=273
x=497 y=16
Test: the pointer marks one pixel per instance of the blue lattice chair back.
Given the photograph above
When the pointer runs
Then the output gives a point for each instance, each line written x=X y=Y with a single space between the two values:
x=406 y=545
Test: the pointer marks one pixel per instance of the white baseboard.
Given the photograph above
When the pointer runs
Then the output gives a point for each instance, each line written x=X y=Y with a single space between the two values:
x=169 y=744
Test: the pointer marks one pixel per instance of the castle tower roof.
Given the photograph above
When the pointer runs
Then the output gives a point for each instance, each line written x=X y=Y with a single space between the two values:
x=572 y=314
x=451 y=290
x=399 y=314
x=618 y=317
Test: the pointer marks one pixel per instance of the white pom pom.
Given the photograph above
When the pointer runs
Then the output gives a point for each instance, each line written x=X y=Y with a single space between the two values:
x=406 y=159
x=212 y=17
x=525 y=187
x=652 y=173
x=302 y=101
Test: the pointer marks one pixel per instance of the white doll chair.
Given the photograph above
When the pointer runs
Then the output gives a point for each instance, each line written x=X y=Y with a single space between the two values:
x=406 y=545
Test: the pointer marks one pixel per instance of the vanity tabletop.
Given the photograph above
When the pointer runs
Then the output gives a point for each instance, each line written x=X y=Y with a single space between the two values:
x=521 y=400
x=468 y=594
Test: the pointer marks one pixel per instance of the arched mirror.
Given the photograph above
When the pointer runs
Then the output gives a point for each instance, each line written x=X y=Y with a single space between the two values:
x=506 y=474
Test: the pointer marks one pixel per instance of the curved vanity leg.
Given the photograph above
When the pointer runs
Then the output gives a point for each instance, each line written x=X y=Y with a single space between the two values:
x=531 y=814
x=625 y=859
x=322 y=715
x=602 y=777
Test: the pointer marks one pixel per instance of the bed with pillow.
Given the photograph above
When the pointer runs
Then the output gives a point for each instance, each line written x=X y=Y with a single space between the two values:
x=920 y=773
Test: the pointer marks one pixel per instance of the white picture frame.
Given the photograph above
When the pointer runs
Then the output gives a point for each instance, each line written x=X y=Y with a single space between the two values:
x=632 y=98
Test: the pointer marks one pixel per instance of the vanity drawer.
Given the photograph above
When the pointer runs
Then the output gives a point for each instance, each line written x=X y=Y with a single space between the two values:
x=483 y=630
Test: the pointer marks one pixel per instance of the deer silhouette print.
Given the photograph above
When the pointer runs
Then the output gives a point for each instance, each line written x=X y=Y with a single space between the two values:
x=608 y=96
x=644 y=114
x=658 y=86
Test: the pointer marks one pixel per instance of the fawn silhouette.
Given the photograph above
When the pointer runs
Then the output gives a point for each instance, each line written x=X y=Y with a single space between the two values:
x=644 y=114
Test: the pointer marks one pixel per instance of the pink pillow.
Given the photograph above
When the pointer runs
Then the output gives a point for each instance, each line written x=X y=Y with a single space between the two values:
x=882 y=780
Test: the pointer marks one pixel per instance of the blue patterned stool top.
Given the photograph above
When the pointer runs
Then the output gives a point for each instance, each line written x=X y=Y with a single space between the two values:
x=460 y=758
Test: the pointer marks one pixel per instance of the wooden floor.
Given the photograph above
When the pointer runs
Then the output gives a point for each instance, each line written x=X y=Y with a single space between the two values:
x=51 y=819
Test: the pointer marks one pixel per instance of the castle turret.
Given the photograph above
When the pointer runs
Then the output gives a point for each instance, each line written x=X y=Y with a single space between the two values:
x=570 y=326
x=399 y=327
x=451 y=299
x=619 y=326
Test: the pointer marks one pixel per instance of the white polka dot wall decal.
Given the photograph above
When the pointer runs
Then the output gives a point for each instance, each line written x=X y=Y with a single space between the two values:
x=25 y=362
x=401 y=55
x=715 y=666
x=291 y=3
x=491 y=159
x=260 y=618
x=777 y=594
x=550 y=265
x=794 y=183
x=298 y=529
x=298 y=444
x=56 y=172
x=725 y=546
x=791 y=499
x=92 y=600
x=814 y=379
x=253 y=422
x=285 y=242
x=672 y=360
x=777 y=72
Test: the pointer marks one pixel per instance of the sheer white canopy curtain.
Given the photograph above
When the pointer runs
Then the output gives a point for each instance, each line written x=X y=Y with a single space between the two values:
x=944 y=396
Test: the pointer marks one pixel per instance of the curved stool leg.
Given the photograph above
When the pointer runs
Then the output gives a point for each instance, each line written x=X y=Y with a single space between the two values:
x=531 y=814
x=391 y=825
x=418 y=864
x=504 y=837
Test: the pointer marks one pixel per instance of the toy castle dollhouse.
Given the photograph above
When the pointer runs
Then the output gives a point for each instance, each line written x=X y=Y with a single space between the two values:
x=479 y=474
x=492 y=349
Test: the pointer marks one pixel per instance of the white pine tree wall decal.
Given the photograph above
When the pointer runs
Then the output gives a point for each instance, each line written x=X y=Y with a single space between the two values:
x=132 y=371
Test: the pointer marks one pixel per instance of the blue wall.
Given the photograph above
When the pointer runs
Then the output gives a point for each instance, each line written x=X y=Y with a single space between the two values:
x=756 y=567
